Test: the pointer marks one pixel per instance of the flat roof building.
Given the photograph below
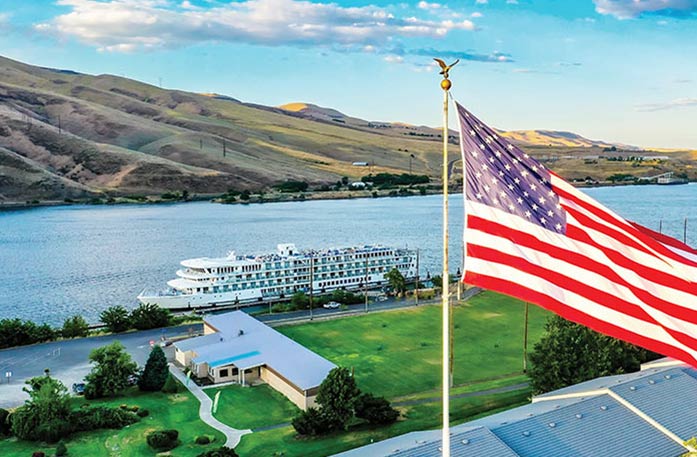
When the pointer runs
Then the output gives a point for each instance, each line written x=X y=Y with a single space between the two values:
x=644 y=414
x=237 y=348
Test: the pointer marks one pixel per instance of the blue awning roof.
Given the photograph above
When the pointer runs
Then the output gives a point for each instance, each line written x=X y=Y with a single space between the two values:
x=229 y=360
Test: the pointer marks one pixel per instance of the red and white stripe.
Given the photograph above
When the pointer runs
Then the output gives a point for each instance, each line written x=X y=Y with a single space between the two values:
x=609 y=274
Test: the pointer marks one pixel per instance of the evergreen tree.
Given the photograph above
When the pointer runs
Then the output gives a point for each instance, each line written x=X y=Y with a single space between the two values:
x=156 y=371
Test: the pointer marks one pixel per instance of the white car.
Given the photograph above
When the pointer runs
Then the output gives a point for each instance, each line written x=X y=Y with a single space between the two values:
x=331 y=305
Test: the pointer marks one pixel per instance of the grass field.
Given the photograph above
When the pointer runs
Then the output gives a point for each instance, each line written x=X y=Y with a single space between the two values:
x=177 y=411
x=283 y=441
x=398 y=353
x=251 y=407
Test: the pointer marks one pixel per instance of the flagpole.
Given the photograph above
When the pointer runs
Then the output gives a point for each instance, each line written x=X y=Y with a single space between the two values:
x=445 y=84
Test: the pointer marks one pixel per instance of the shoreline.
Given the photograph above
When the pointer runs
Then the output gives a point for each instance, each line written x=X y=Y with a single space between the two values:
x=277 y=197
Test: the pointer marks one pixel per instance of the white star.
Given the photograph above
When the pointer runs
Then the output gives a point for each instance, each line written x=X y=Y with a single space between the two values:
x=524 y=173
x=550 y=193
x=533 y=187
x=491 y=159
x=550 y=213
x=472 y=132
x=515 y=160
x=558 y=205
x=543 y=221
x=502 y=174
x=496 y=202
x=520 y=200
x=494 y=181
x=478 y=175
x=511 y=207
x=510 y=147
x=507 y=167
x=558 y=227
x=516 y=180
x=534 y=207
x=528 y=214
x=503 y=194
x=487 y=140
x=526 y=156
x=525 y=194
x=495 y=137
x=486 y=188
x=541 y=200
x=474 y=153
x=479 y=196
x=534 y=168
x=510 y=186
x=497 y=154
x=485 y=167
x=481 y=146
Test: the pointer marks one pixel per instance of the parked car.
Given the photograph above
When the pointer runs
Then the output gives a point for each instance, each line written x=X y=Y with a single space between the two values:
x=381 y=298
x=132 y=380
x=79 y=388
x=332 y=305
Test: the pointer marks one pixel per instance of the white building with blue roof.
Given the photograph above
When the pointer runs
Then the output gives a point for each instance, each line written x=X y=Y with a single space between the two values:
x=237 y=348
x=650 y=413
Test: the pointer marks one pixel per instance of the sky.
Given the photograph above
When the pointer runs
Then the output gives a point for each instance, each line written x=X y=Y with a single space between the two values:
x=617 y=70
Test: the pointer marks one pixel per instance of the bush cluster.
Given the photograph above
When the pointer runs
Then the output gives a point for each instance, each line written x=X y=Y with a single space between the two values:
x=16 y=332
x=219 y=452
x=202 y=440
x=376 y=410
x=163 y=440
x=145 y=317
x=96 y=417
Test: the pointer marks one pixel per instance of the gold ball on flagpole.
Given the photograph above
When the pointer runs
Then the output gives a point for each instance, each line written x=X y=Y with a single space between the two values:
x=446 y=84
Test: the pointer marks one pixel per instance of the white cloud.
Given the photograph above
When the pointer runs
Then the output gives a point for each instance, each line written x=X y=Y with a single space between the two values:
x=482 y=2
x=476 y=14
x=131 y=25
x=429 y=6
x=677 y=103
x=627 y=9
x=512 y=2
x=394 y=59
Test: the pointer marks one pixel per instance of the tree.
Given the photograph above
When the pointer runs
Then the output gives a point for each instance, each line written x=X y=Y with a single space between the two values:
x=16 y=332
x=396 y=280
x=112 y=368
x=300 y=300
x=4 y=424
x=336 y=396
x=74 y=327
x=570 y=353
x=155 y=372
x=163 y=440
x=376 y=410
x=148 y=315
x=42 y=417
x=311 y=422
x=116 y=319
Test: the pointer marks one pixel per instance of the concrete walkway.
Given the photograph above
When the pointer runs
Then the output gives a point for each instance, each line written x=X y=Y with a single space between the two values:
x=232 y=435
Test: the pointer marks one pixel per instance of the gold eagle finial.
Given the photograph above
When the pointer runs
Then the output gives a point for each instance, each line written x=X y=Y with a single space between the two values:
x=444 y=67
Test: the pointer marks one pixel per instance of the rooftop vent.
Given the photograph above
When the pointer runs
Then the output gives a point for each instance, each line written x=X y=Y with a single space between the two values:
x=552 y=424
x=579 y=416
x=465 y=442
x=526 y=433
x=632 y=388
x=667 y=376
x=603 y=408
x=651 y=381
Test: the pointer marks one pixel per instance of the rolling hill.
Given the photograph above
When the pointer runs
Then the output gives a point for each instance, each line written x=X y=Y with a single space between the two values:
x=65 y=134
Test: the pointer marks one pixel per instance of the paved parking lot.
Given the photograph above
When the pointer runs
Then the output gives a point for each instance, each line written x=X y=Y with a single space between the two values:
x=68 y=361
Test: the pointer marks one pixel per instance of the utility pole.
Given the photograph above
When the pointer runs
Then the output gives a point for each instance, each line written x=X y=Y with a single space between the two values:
x=416 y=286
x=200 y=143
x=365 y=283
x=224 y=146
x=525 y=340
x=312 y=279
x=60 y=130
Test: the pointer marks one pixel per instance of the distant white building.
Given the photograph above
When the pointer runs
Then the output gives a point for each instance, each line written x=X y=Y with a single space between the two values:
x=360 y=164
x=235 y=347
x=358 y=185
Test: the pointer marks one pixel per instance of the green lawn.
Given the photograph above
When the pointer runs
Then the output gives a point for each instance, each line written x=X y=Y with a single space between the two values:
x=284 y=442
x=399 y=352
x=252 y=407
x=177 y=411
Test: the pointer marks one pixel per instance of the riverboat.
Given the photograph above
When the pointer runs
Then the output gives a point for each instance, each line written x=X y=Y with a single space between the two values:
x=252 y=279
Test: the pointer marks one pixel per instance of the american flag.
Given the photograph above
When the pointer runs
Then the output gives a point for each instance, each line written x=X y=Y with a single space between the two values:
x=532 y=235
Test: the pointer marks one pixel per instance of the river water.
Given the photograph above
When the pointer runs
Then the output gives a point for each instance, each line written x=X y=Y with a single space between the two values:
x=60 y=261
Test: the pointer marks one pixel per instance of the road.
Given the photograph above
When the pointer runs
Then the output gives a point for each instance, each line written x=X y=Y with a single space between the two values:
x=68 y=360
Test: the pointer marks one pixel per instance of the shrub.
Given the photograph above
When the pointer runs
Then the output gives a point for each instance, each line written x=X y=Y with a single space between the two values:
x=61 y=450
x=223 y=451
x=116 y=319
x=93 y=418
x=143 y=413
x=376 y=410
x=53 y=430
x=203 y=439
x=38 y=454
x=16 y=332
x=163 y=440
x=148 y=316
x=74 y=327
x=172 y=386
x=311 y=422
x=4 y=423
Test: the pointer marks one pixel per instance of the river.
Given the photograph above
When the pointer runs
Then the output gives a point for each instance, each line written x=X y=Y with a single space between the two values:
x=60 y=261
